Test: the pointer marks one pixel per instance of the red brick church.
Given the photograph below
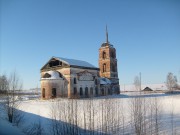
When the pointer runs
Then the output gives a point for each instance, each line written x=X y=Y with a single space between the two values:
x=62 y=77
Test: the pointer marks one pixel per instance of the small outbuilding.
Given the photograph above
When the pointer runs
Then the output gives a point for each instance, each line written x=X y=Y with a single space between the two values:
x=147 y=89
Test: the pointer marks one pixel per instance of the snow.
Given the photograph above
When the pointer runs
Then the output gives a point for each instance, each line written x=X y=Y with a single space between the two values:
x=6 y=128
x=40 y=110
x=73 y=62
x=104 y=81
x=54 y=75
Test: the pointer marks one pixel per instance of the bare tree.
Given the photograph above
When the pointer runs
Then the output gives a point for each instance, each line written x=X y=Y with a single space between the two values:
x=34 y=129
x=3 y=84
x=14 y=86
x=172 y=117
x=137 y=83
x=171 y=81
x=137 y=114
x=55 y=127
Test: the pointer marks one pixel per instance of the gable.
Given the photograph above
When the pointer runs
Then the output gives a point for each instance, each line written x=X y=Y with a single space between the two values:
x=85 y=76
x=64 y=62
x=77 y=63
x=54 y=63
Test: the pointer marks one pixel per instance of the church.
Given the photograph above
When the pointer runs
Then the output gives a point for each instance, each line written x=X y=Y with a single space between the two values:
x=62 y=77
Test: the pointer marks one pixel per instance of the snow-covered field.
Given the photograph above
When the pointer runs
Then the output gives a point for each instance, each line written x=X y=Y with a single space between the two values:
x=105 y=115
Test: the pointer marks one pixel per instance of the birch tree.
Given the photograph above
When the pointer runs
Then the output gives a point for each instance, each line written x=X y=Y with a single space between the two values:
x=13 y=97
x=171 y=81
x=137 y=83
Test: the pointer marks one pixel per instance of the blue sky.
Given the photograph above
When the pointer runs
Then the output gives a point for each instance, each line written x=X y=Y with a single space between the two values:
x=146 y=35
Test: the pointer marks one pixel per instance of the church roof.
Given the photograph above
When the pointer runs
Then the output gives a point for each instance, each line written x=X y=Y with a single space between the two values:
x=106 y=44
x=73 y=62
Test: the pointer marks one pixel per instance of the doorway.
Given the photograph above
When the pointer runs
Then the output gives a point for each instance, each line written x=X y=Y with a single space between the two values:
x=53 y=92
x=43 y=93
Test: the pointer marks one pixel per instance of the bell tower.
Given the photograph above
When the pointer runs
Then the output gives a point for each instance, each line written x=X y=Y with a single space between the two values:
x=108 y=63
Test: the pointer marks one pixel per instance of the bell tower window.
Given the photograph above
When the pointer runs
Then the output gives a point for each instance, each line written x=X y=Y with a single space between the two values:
x=75 y=82
x=113 y=67
x=104 y=67
x=104 y=54
x=112 y=54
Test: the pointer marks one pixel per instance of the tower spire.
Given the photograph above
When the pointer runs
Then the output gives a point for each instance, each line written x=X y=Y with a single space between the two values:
x=107 y=35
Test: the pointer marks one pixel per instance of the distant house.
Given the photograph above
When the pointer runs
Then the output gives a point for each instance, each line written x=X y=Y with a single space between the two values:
x=62 y=77
x=147 y=89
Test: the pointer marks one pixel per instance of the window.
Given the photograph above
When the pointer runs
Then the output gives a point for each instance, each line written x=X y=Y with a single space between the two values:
x=104 y=67
x=96 y=89
x=81 y=91
x=104 y=55
x=91 y=91
x=112 y=54
x=43 y=93
x=53 y=92
x=109 y=91
x=102 y=91
x=115 y=65
x=75 y=81
x=75 y=90
x=86 y=91
x=113 y=68
x=46 y=75
x=55 y=63
x=96 y=82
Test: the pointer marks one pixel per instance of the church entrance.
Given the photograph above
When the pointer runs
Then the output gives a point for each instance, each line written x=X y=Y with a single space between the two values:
x=53 y=92
x=43 y=93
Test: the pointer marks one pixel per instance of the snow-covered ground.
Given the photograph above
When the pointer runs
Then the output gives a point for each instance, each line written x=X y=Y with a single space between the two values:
x=41 y=112
x=8 y=129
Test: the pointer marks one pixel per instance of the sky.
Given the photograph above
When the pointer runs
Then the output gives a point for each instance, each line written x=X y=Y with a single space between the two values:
x=146 y=35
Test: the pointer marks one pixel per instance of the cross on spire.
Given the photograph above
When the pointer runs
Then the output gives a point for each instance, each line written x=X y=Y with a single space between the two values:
x=107 y=35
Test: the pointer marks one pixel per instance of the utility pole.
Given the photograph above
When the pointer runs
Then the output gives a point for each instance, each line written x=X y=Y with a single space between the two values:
x=179 y=75
x=140 y=80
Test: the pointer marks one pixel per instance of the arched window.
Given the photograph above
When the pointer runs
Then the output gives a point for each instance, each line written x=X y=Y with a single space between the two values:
x=43 y=93
x=75 y=90
x=104 y=55
x=91 y=91
x=96 y=89
x=75 y=81
x=113 y=68
x=53 y=92
x=109 y=91
x=104 y=67
x=102 y=92
x=112 y=54
x=86 y=91
x=81 y=91
x=96 y=82
x=46 y=75
x=115 y=65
